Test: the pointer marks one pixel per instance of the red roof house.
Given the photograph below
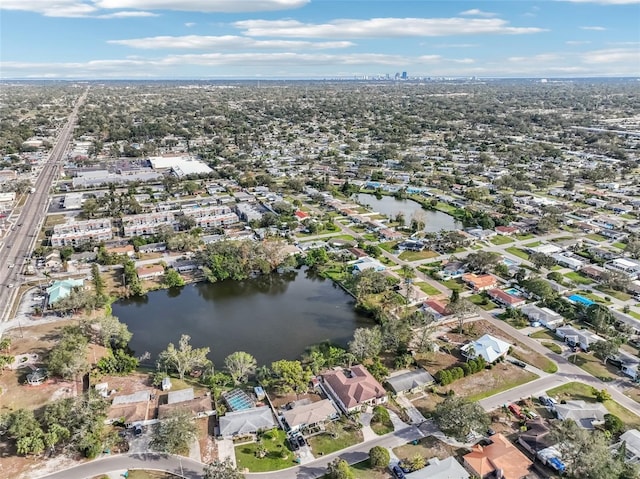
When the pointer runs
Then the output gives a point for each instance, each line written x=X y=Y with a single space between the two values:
x=301 y=215
x=506 y=299
x=354 y=388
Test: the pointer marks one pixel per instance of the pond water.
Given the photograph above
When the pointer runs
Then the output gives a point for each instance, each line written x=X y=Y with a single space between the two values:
x=388 y=205
x=271 y=317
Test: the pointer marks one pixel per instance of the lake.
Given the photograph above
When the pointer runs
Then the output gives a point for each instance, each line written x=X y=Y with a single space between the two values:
x=271 y=317
x=388 y=205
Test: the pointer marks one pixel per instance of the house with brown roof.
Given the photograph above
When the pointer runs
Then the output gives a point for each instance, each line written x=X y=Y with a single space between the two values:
x=150 y=271
x=480 y=282
x=126 y=250
x=499 y=457
x=507 y=230
x=506 y=299
x=353 y=389
x=437 y=307
x=309 y=415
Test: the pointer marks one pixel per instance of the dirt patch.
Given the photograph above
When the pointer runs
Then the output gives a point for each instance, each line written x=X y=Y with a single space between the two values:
x=208 y=448
x=283 y=400
x=428 y=447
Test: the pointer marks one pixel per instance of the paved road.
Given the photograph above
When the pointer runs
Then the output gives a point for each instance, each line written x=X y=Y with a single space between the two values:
x=19 y=242
x=190 y=469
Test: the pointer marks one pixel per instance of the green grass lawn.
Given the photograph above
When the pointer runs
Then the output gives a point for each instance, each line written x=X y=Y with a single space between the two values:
x=594 y=366
x=517 y=252
x=417 y=255
x=364 y=470
x=504 y=386
x=576 y=390
x=453 y=284
x=553 y=347
x=480 y=301
x=596 y=237
x=342 y=237
x=544 y=334
x=634 y=314
x=578 y=278
x=325 y=443
x=619 y=245
x=524 y=237
x=445 y=208
x=389 y=246
x=275 y=442
x=501 y=240
x=370 y=237
x=537 y=360
x=533 y=244
x=612 y=292
x=427 y=288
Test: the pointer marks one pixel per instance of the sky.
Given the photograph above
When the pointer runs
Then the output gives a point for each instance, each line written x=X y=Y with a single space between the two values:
x=226 y=39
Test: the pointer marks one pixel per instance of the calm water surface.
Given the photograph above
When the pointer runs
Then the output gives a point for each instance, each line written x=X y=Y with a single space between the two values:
x=390 y=206
x=272 y=317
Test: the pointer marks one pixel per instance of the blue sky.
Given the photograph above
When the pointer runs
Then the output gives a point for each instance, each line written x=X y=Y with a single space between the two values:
x=110 y=39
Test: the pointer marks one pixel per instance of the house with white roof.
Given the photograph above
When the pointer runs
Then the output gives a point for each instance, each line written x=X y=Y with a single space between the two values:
x=631 y=440
x=627 y=266
x=489 y=347
x=447 y=468
x=583 y=337
x=545 y=316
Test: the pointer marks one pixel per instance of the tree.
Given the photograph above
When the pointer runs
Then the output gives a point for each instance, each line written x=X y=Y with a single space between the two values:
x=599 y=317
x=173 y=279
x=613 y=424
x=90 y=207
x=482 y=261
x=457 y=417
x=107 y=331
x=240 y=365
x=538 y=287
x=68 y=358
x=175 y=433
x=417 y=462
x=379 y=457
x=118 y=362
x=98 y=282
x=23 y=427
x=222 y=470
x=541 y=260
x=605 y=349
x=339 y=469
x=366 y=343
x=289 y=376
x=183 y=359
x=462 y=309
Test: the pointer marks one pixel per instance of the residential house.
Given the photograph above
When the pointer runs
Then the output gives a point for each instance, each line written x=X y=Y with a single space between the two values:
x=505 y=299
x=367 y=262
x=480 y=282
x=61 y=289
x=410 y=381
x=387 y=234
x=447 y=468
x=126 y=250
x=246 y=421
x=499 y=457
x=593 y=272
x=452 y=270
x=53 y=260
x=572 y=262
x=582 y=338
x=487 y=346
x=507 y=230
x=354 y=388
x=309 y=415
x=437 y=307
x=627 y=266
x=184 y=399
x=585 y=415
x=130 y=408
x=631 y=441
x=536 y=437
x=481 y=234
x=153 y=248
x=545 y=316
x=150 y=271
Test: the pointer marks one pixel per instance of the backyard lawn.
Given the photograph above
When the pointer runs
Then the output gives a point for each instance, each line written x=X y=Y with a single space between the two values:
x=517 y=252
x=524 y=237
x=553 y=347
x=427 y=288
x=592 y=365
x=576 y=390
x=389 y=246
x=417 y=255
x=484 y=303
x=278 y=454
x=619 y=245
x=453 y=284
x=596 y=237
x=543 y=334
x=533 y=244
x=363 y=470
x=325 y=443
x=499 y=239
x=578 y=278
x=612 y=292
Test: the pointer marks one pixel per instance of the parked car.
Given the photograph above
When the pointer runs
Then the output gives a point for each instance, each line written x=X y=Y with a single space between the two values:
x=518 y=363
x=397 y=472
x=301 y=441
x=137 y=430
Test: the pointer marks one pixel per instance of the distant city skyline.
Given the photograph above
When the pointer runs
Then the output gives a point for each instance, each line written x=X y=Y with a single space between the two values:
x=219 y=39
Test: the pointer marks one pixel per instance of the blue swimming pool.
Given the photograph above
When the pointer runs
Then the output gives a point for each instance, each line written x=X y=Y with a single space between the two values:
x=576 y=298
x=513 y=292
x=509 y=262
x=238 y=400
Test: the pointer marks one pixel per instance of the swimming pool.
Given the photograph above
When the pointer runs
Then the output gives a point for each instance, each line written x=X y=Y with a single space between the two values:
x=513 y=292
x=238 y=400
x=509 y=262
x=576 y=298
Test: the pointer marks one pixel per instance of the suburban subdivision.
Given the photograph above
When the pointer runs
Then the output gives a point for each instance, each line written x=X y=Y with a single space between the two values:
x=440 y=280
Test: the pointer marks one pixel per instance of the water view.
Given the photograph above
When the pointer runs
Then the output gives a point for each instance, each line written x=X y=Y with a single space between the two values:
x=272 y=317
x=390 y=206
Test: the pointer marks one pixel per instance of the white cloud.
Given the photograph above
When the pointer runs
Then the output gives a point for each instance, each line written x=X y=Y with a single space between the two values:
x=541 y=57
x=594 y=28
x=630 y=56
x=381 y=28
x=189 y=24
x=475 y=12
x=129 y=14
x=58 y=8
x=605 y=2
x=457 y=45
x=227 y=6
x=578 y=42
x=227 y=42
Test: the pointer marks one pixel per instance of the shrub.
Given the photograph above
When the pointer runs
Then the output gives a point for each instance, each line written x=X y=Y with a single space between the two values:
x=379 y=457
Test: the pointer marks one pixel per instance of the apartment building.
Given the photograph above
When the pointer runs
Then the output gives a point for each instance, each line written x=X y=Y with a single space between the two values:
x=75 y=233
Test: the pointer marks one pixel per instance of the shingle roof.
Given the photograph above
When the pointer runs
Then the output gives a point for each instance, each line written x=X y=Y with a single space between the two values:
x=355 y=389
x=310 y=413
x=410 y=380
x=246 y=421
x=500 y=454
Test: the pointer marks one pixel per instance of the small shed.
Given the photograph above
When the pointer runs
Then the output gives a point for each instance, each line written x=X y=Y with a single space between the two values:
x=166 y=384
